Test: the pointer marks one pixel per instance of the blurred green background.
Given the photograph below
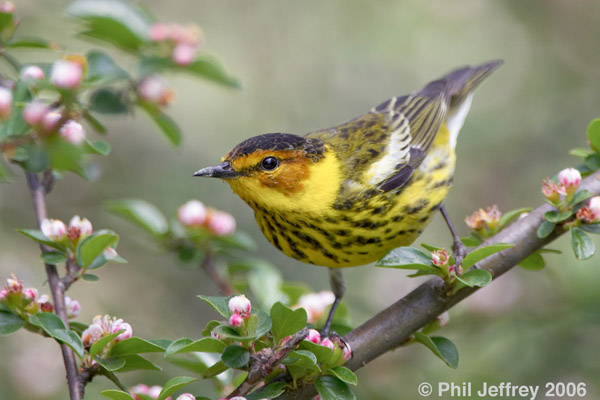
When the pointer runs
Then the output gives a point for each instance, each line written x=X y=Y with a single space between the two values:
x=313 y=64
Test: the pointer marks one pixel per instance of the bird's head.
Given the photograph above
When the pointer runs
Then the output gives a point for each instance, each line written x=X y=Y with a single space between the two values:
x=278 y=171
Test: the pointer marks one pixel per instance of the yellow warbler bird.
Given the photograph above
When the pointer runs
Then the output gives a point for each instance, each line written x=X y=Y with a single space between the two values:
x=347 y=195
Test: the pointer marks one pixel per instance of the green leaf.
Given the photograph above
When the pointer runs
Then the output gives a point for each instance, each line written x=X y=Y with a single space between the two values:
x=533 y=262
x=206 y=345
x=177 y=345
x=102 y=342
x=510 y=215
x=114 y=21
x=286 y=321
x=333 y=388
x=345 y=375
x=31 y=43
x=580 y=196
x=39 y=237
x=135 y=345
x=215 y=370
x=219 y=304
x=136 y=362
x=78 y=327
x=479 y=254
x=108 y=101
x=545 y=229
x=166 y=124
x=10 y=322
x=263 y=326
x=239 y=240
x=593 y=134
x=90 y=277
x=321 y=352
x=591 y=228
x=54 y=258
x=94 y=245
x=555 y=216
x=142 y=213
x=302 y=358
x=404 y=256
x=55 y=328
x=103 y=70
x=116 y=394
x=579 y=152
x=470 y=241
x=583 y=246
x=94 y=123
x=269 y=392
x=97 y=147
x=64 y=156
x=235 y=356
x=5 y=172
x=5 y=20
x=441 y=347
x=475 y=277
x=111 y=364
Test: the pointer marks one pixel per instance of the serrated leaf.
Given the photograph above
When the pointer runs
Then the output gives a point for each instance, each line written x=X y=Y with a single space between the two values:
x=545 y=229
x=593 y=134
x=102 y=69
x=345 y=374
x=116 y=394
x=54 y=258
x=332 y=388
x=10 y=322
x=583 y=246
x=102 y=342
x=219 y=304
x=94 y=245
x=166 y=124
x=556 y=216
x=235 y=356
x=141 y=212
x=441 y=347
x=479 y=254
x=533 y=262
x=475 y=277
x=286 y=321
x=135 y=345
x=507 y=217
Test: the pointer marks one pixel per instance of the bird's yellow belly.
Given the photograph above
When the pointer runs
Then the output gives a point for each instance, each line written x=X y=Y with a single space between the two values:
x=366 y=232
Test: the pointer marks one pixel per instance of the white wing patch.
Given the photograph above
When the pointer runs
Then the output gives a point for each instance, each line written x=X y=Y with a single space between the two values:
x=455 y=121
x=397 y=151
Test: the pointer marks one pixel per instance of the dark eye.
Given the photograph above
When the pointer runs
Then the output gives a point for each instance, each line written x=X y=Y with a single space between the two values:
x=269 y=163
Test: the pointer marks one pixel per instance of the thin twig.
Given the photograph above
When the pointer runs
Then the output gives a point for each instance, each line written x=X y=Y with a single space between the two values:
x=209 y=267
x=38 y=193
x=394 y=325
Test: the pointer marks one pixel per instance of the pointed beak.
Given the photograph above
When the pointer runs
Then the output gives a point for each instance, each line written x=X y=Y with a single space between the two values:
x=223 y=171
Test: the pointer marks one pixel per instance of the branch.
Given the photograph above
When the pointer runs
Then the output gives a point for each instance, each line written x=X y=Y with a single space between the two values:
x=394 y=326
x=38 y=193
x=209 y=267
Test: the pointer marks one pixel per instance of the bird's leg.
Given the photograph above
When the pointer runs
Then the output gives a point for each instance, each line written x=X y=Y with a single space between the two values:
x=338 y=287
x=459 y=250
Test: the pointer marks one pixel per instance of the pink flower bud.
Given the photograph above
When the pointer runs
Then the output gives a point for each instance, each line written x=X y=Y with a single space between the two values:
x=91 y=335
x=7 y=7
x=594 y=206
x=184 y=54
x=346 y=352
x=50 y=121
x=237 y=398
x=221 y=223
x=154 y=391
x=156 y=90
x=240 y=305
x=3 y=295
x=32 y=73
x=315 y=304
x=66 y=74
x=158 y=32
x=570 y=179
x=110 y=253
x=236 y=320
x=192 y=213
x=186 y=396
x=72 y=131
x=443 y=319
x=30 y=294
x=79 y=228
x=73 y=307
x=328 y=343
x=54 y=229
x=119 y=325
x=34 y=112
x=45 y=304
x=215 y=335
x=140 y=389
x=14 y=284
x=6 y=99
x=440 y=257
x=313 y=336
